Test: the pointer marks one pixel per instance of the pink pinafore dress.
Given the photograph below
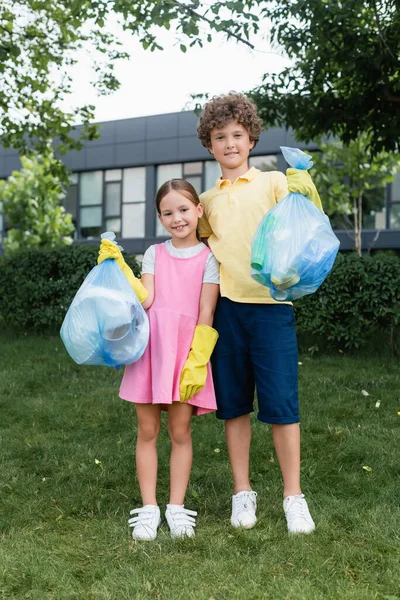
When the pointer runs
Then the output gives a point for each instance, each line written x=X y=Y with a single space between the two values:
x=173 y=316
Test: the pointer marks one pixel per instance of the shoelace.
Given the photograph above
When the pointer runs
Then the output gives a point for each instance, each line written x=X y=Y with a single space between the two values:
x=296 y=508
x=183 y=518
x=244 y=499
x=144 y=518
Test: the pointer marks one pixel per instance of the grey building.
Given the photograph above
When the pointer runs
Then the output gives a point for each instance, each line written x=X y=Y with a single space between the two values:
x=115 y=179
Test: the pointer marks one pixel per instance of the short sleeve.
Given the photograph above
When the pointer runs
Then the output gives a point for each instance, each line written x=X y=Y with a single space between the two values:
x=211 y=272
x=280 y=186
x=204 y=228
x=149 y=261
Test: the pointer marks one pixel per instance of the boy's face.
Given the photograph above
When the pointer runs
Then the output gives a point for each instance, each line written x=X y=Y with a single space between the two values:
x=230 y=145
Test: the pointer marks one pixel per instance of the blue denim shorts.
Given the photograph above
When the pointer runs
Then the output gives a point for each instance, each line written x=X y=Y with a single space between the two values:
x=257 y=348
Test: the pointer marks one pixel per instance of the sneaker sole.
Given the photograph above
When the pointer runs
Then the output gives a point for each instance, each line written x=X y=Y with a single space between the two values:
x=240 y=526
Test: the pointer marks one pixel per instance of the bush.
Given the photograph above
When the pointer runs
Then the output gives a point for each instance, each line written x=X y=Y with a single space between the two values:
x=360 y=298
x=38 y=285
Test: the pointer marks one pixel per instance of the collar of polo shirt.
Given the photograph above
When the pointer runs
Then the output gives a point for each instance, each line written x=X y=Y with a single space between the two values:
x=248 y=176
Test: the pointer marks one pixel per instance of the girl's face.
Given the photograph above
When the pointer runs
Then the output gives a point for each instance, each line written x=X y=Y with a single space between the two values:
x=231 y=145
x=180 y=216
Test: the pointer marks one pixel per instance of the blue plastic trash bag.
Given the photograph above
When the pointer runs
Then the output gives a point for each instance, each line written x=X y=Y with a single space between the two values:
x=105 y=324
x=294 y=247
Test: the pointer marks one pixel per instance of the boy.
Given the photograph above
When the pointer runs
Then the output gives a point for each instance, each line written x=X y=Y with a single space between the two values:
x=257 y=343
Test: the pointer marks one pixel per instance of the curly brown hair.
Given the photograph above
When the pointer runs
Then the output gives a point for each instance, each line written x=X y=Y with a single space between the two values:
x=221 y=110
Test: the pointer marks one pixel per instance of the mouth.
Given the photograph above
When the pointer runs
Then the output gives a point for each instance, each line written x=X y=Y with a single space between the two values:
x=179 y=227
x=231 y=153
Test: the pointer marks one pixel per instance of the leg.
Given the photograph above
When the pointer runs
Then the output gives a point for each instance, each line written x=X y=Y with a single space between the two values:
x=238 y=436
x=275 y=363
x=287 y=445
x=148 y=416
x=180 y=433
x=234 y=386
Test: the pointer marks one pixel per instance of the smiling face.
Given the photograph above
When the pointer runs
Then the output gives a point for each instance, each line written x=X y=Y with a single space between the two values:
x=180 y=216
x=230 y=146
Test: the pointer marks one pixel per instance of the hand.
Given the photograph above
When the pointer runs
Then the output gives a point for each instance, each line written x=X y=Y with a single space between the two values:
x=300 y=182
x=110 y=250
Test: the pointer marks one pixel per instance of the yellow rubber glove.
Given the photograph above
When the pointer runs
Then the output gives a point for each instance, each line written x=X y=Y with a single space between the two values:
x=194 y=372
x=110 y=250
x=300 y=181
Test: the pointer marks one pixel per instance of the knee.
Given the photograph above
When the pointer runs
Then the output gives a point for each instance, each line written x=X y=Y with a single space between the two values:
x=148 y=432
x=180 y=434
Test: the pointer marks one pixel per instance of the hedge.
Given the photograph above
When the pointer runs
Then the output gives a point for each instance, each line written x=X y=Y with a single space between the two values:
x=37 y=286
x=359 y=298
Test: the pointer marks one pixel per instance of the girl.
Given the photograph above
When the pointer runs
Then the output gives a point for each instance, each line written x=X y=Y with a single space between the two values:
x=179 y=287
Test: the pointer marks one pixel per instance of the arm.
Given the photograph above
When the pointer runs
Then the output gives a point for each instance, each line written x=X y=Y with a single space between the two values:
x=148 y=282
x=208 y=302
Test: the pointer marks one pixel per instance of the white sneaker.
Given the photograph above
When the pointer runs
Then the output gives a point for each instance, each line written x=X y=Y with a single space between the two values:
x=297 y=514
x=145 y=523
x=181 y=521
x=244 y=506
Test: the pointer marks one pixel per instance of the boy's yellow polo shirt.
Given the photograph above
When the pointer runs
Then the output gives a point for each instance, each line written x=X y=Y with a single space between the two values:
x=233 y=212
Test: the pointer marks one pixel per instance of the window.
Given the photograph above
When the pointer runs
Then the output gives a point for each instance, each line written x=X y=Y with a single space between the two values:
x=394 y=206
x=264 y=163
x=374 y=209
x=91 y=200
x=212 y=173
x=112 y=200
x=70 y=201
x=164 y=173
x=193 y=173
x=133 y=202
x=112 y=209
x=395 y=216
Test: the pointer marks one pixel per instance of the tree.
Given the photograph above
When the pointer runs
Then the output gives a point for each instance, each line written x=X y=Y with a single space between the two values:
x=350 y=180
x=345 y=76
x=30 y=200
x=40 y=41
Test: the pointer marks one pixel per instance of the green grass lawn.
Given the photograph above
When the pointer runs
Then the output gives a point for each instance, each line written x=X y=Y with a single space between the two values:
x=68 y=481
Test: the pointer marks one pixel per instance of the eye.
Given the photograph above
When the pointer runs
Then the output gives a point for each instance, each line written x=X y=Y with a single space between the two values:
x=238 y=135
x=166 y=214
x=184 y=209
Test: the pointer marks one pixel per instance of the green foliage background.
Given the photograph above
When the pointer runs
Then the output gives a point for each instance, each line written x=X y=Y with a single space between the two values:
x=360 y=298
x=38 y=285
x=31 y=199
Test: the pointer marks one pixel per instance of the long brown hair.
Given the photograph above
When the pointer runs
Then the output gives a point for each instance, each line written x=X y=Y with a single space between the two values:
x=179 y=185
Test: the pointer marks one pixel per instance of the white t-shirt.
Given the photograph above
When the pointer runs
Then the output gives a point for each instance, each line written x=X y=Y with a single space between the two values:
x=211 y=272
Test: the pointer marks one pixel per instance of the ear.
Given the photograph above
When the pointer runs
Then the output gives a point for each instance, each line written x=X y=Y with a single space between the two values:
x=159 y=217
x=252 y=142
x=200 y=210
